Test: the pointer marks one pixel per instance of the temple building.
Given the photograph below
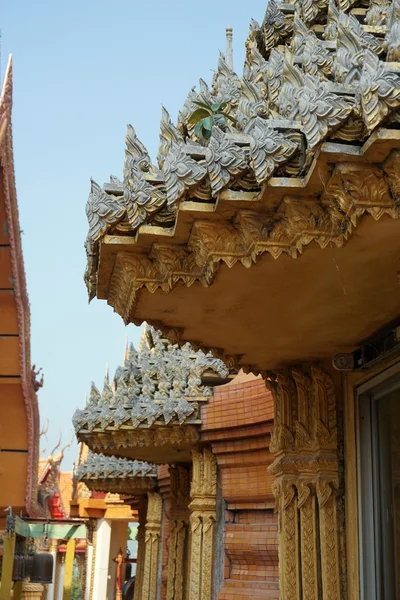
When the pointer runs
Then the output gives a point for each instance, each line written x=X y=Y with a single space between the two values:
x=172 y=435
x=268 y=234
x=19 y=422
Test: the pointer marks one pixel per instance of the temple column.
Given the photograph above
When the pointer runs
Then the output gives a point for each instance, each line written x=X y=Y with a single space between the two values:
x=179 y=517
x=141 y=550
x=304 y=444
x=89 y=558
x=51 y=588
x=202 y=507
x=152 y=547
x=89 y=561
x=103 y=539
x=60 y=579
x=69 y=568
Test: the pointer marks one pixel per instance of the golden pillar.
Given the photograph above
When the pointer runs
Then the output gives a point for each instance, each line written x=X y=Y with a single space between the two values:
x=69 y=568
x=152 y=547
x=141 y=550
x=202 y=507
x=17 y=590
x=304 y=443
x=179 y=517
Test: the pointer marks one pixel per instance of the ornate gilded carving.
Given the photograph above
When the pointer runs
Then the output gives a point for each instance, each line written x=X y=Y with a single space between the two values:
x=377 y=13
x=224 y=158
x=391 y=168
x=181 y=172
x=152 y=538
x=380 y=90
x=310 y=51
x=357 y=189
x=307 y=99
x=304 y=443
x=268 y=149
x=141 y=551
x=392 y=39
x=309 y=541
x=179 y=518
x=313 y=10
x=202 y=519
x=329 y=535
x=102 y=210
x=276 y=25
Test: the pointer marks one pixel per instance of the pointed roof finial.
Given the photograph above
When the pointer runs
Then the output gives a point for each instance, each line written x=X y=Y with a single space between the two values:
x=107 y=375
x=126 y=357
x=229 y=48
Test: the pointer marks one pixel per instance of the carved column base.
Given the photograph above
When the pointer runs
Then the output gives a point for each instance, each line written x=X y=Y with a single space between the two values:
x=32 y=591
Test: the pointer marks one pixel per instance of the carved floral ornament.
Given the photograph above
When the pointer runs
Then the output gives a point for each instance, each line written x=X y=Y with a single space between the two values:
x=315 y=70
x=158 y=385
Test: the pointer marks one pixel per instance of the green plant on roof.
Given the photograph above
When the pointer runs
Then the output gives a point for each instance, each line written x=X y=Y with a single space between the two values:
x=206 y=116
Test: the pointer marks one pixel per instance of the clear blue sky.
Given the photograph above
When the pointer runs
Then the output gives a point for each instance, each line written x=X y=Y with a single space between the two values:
x=83 y=69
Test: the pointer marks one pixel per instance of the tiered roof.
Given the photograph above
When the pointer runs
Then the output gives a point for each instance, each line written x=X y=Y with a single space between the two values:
x=111 y=474
x=158 y=385
x=314 y=71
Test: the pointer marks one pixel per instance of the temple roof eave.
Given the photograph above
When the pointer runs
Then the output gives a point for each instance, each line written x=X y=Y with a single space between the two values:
x=308 y=160
x=20 y=290
x=117 y=475
x=156 y=393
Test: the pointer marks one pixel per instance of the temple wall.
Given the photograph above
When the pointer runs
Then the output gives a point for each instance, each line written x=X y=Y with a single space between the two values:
x=237 y=423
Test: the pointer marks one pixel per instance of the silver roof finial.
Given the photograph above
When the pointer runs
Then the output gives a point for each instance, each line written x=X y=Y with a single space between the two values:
x=229 y=48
